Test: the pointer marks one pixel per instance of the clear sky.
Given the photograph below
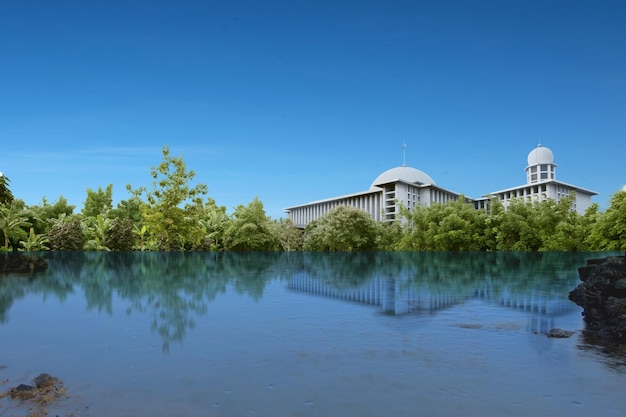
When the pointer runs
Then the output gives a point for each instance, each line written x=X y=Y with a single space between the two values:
x=296 y=101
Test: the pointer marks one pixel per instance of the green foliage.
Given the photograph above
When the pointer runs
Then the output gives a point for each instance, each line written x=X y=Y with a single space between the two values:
x=40 y=215
x=66 y=234
x=6 y=196
x=517 y=229
x=250 y=229
x=131 y=209
x=12 y=219
x=98 y=202
x=120 y=236
x=288 y=236
x=166 y=222
x=208 y=223
x=342 y=229
x=34 y=242
x=455 y=226
x=609 y=232
x=96 y=231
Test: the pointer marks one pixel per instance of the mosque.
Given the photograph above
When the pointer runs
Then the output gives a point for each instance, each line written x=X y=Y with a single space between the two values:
x=409 y=187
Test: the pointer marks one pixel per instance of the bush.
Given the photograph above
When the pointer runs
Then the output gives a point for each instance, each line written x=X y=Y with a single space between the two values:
x=67 y=236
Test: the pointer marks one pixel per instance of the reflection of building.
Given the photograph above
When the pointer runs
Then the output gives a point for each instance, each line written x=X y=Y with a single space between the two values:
x=385 y=292
x=397 y=297
x=542 y=308
x=410 y=187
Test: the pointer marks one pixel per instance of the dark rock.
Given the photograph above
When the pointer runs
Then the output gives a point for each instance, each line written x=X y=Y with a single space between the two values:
x=602 y=295
x=18 y=262
x=22 y=392
x=45 y=380
x=559 y=333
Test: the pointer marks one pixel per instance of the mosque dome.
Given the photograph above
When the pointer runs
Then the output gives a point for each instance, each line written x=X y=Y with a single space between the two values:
x=540 y=155
x=403 y=173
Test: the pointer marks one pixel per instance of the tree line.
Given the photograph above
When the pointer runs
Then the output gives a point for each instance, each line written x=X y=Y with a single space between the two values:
x=173 y=215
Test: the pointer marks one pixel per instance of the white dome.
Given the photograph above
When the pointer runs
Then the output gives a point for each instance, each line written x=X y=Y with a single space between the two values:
x=540 y=155
x=403 y=173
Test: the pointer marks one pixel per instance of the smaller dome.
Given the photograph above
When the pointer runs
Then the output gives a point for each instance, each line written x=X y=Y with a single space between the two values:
x=540 y=155
x=403 y=173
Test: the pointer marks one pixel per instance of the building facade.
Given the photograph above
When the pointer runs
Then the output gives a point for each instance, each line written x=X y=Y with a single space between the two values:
x=409 y=187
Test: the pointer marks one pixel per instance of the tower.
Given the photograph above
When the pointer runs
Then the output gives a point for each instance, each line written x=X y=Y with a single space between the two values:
x=541 y=166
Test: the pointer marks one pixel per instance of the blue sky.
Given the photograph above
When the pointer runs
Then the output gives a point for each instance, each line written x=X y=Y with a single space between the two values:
x=296 y=101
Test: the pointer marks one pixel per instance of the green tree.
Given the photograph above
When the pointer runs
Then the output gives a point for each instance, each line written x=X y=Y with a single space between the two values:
x=6 y=196
x=12 y=219
x=458 y=227
x=208 y=225
x=415 y=230
x=516 y=228
x=342 y=229
x=131 y=208
x=249 y=229
x=609 y=232
x=287 y=234
x=41 y=215
x=98 y=202
x=166 y=221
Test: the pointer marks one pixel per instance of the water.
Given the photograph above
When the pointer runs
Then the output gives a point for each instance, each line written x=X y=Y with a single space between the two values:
x=306 y=334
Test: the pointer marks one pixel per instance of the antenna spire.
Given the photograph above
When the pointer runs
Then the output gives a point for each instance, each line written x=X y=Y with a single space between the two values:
x=404 y=154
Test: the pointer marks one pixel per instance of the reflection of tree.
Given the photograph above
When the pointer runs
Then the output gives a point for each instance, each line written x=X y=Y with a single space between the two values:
x=174 y=288
x=342 y=270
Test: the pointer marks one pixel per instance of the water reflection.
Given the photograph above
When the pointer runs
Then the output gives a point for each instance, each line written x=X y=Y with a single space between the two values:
x=176 y=288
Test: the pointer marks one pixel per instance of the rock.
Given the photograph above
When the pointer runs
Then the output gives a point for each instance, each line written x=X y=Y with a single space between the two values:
x=45 y=380
x=559 y=333
x=23 y=392
x=621 y=284
x=602 y=295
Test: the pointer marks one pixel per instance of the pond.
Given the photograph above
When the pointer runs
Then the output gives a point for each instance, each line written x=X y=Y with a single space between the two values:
x=306 y=334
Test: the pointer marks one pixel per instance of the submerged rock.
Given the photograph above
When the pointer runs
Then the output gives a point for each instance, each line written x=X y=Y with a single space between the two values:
x=559 y=333
x=23 y=392
x=602 y=295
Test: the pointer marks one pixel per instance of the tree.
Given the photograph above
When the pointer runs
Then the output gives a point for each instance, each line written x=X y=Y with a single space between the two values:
x=41 y=215
x=164 y=217
x=516 y=228
x=11 y=219
x=208 y=225
x=6 y=196
x=98 y=202
x=287 y=234
x=609 y=233
x=249 y=229
x=342 y=229
x=131 y=209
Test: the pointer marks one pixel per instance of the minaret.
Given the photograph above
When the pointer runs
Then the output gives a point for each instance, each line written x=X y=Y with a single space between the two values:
x=541 y=166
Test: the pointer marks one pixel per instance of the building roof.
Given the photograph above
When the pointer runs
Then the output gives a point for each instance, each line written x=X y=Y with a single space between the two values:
x=540 y=155
x=519 y=187
x=404 y=174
